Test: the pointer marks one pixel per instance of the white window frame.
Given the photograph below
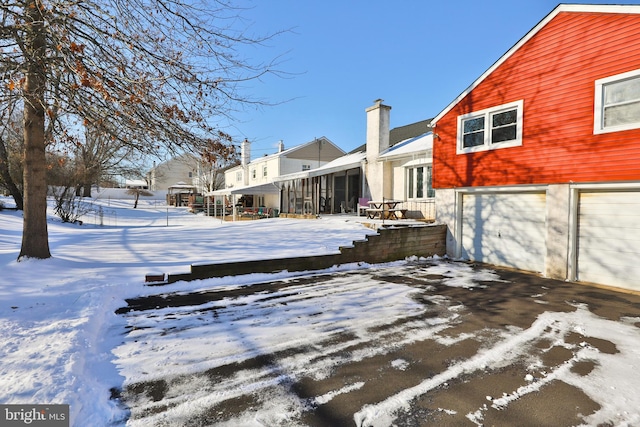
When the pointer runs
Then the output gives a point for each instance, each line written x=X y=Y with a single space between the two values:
x=264 y=171
x=411 y=174
x=598 y=114
x=488 y=114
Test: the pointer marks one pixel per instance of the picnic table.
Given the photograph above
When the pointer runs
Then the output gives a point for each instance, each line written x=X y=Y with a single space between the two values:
x=385 y=209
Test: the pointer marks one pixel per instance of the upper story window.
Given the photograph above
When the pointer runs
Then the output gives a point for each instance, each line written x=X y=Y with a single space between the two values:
x=617 y=103
x=264 y=171
x=489 y=129
x=239 y=176
x=253 y=174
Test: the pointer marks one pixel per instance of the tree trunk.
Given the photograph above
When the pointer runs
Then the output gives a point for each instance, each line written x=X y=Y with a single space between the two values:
x=86 y=189
x=6 y=177
x=35 y=238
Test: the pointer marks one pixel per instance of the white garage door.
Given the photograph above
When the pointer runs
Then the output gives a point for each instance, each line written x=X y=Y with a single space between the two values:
x=609 y=238
x=505 y=229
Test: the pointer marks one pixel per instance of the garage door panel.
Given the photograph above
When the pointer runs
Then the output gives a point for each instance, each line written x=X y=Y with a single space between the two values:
x=609 y=238
x=619 y=198
x=505 y=229
x=610 y=274
x=604 y=214
x=600 y=232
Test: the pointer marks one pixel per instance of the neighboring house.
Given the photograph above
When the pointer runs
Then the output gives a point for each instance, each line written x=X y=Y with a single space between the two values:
x=537 y=164
x=139 y=184
x=183 y=169
x=253 y=181
x=392 y=165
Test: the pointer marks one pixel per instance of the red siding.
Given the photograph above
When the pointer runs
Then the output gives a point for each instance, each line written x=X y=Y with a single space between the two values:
x=554 y=73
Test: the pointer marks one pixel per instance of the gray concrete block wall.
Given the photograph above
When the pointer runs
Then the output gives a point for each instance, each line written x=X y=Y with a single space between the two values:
x=390 y=244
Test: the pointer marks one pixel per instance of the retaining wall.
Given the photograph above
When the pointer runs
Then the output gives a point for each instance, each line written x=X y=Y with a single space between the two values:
x=390 y=244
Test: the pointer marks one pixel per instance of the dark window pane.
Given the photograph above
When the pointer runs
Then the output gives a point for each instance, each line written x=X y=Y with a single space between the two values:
x=507 y=133
x=473 y=139
x=420 y=182
x=473 y=125
x=504 y=119
x=430 y=191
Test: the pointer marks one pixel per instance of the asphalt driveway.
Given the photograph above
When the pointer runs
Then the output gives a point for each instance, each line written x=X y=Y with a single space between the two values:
x=422 y=343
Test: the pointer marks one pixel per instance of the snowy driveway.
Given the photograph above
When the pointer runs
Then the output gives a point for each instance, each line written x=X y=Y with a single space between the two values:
x=407 y=344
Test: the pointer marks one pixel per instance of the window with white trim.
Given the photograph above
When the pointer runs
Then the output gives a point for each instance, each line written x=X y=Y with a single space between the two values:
x=617 y=103
x=419 y=183
x=490 y=129
x=264 y=171
x=238 y=176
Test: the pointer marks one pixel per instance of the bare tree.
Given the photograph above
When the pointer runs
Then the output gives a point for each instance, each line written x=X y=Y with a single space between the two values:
x=216 y=157
x=11 y=147
x=156 y=70
x=62 y=175
x=99 y=154
x=137 y=192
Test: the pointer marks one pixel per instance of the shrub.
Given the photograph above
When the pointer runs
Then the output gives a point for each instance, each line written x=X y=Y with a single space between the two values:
x=68 y=206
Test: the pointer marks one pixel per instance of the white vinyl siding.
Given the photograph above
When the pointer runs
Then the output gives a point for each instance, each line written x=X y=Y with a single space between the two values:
x=506 y=229
x=608 y=237
x=617 y=103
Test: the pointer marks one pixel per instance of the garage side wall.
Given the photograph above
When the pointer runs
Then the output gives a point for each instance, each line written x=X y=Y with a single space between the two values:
x=447 y=213
x=558 y=231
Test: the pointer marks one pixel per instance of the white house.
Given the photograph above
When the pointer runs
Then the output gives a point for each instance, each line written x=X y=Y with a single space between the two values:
x=183 y=168
x=252 y=182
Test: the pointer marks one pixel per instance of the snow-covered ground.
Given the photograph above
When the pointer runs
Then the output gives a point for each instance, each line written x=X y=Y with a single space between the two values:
x=61 y=341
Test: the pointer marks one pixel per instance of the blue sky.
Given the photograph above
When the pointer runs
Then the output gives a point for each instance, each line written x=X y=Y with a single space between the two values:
x=344 y=54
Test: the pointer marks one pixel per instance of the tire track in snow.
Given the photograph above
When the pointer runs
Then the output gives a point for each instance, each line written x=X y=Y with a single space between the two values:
x=312 y=316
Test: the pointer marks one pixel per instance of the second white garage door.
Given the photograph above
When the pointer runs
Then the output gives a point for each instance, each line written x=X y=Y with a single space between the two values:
x=609 y=238
x=505 y=229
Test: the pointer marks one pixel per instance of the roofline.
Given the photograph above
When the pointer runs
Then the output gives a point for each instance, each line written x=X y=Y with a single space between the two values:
x=389 y=154
x=562 y=7
x=296 y=148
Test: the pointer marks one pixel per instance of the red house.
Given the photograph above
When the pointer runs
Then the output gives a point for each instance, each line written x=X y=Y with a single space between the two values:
x=536 y=165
